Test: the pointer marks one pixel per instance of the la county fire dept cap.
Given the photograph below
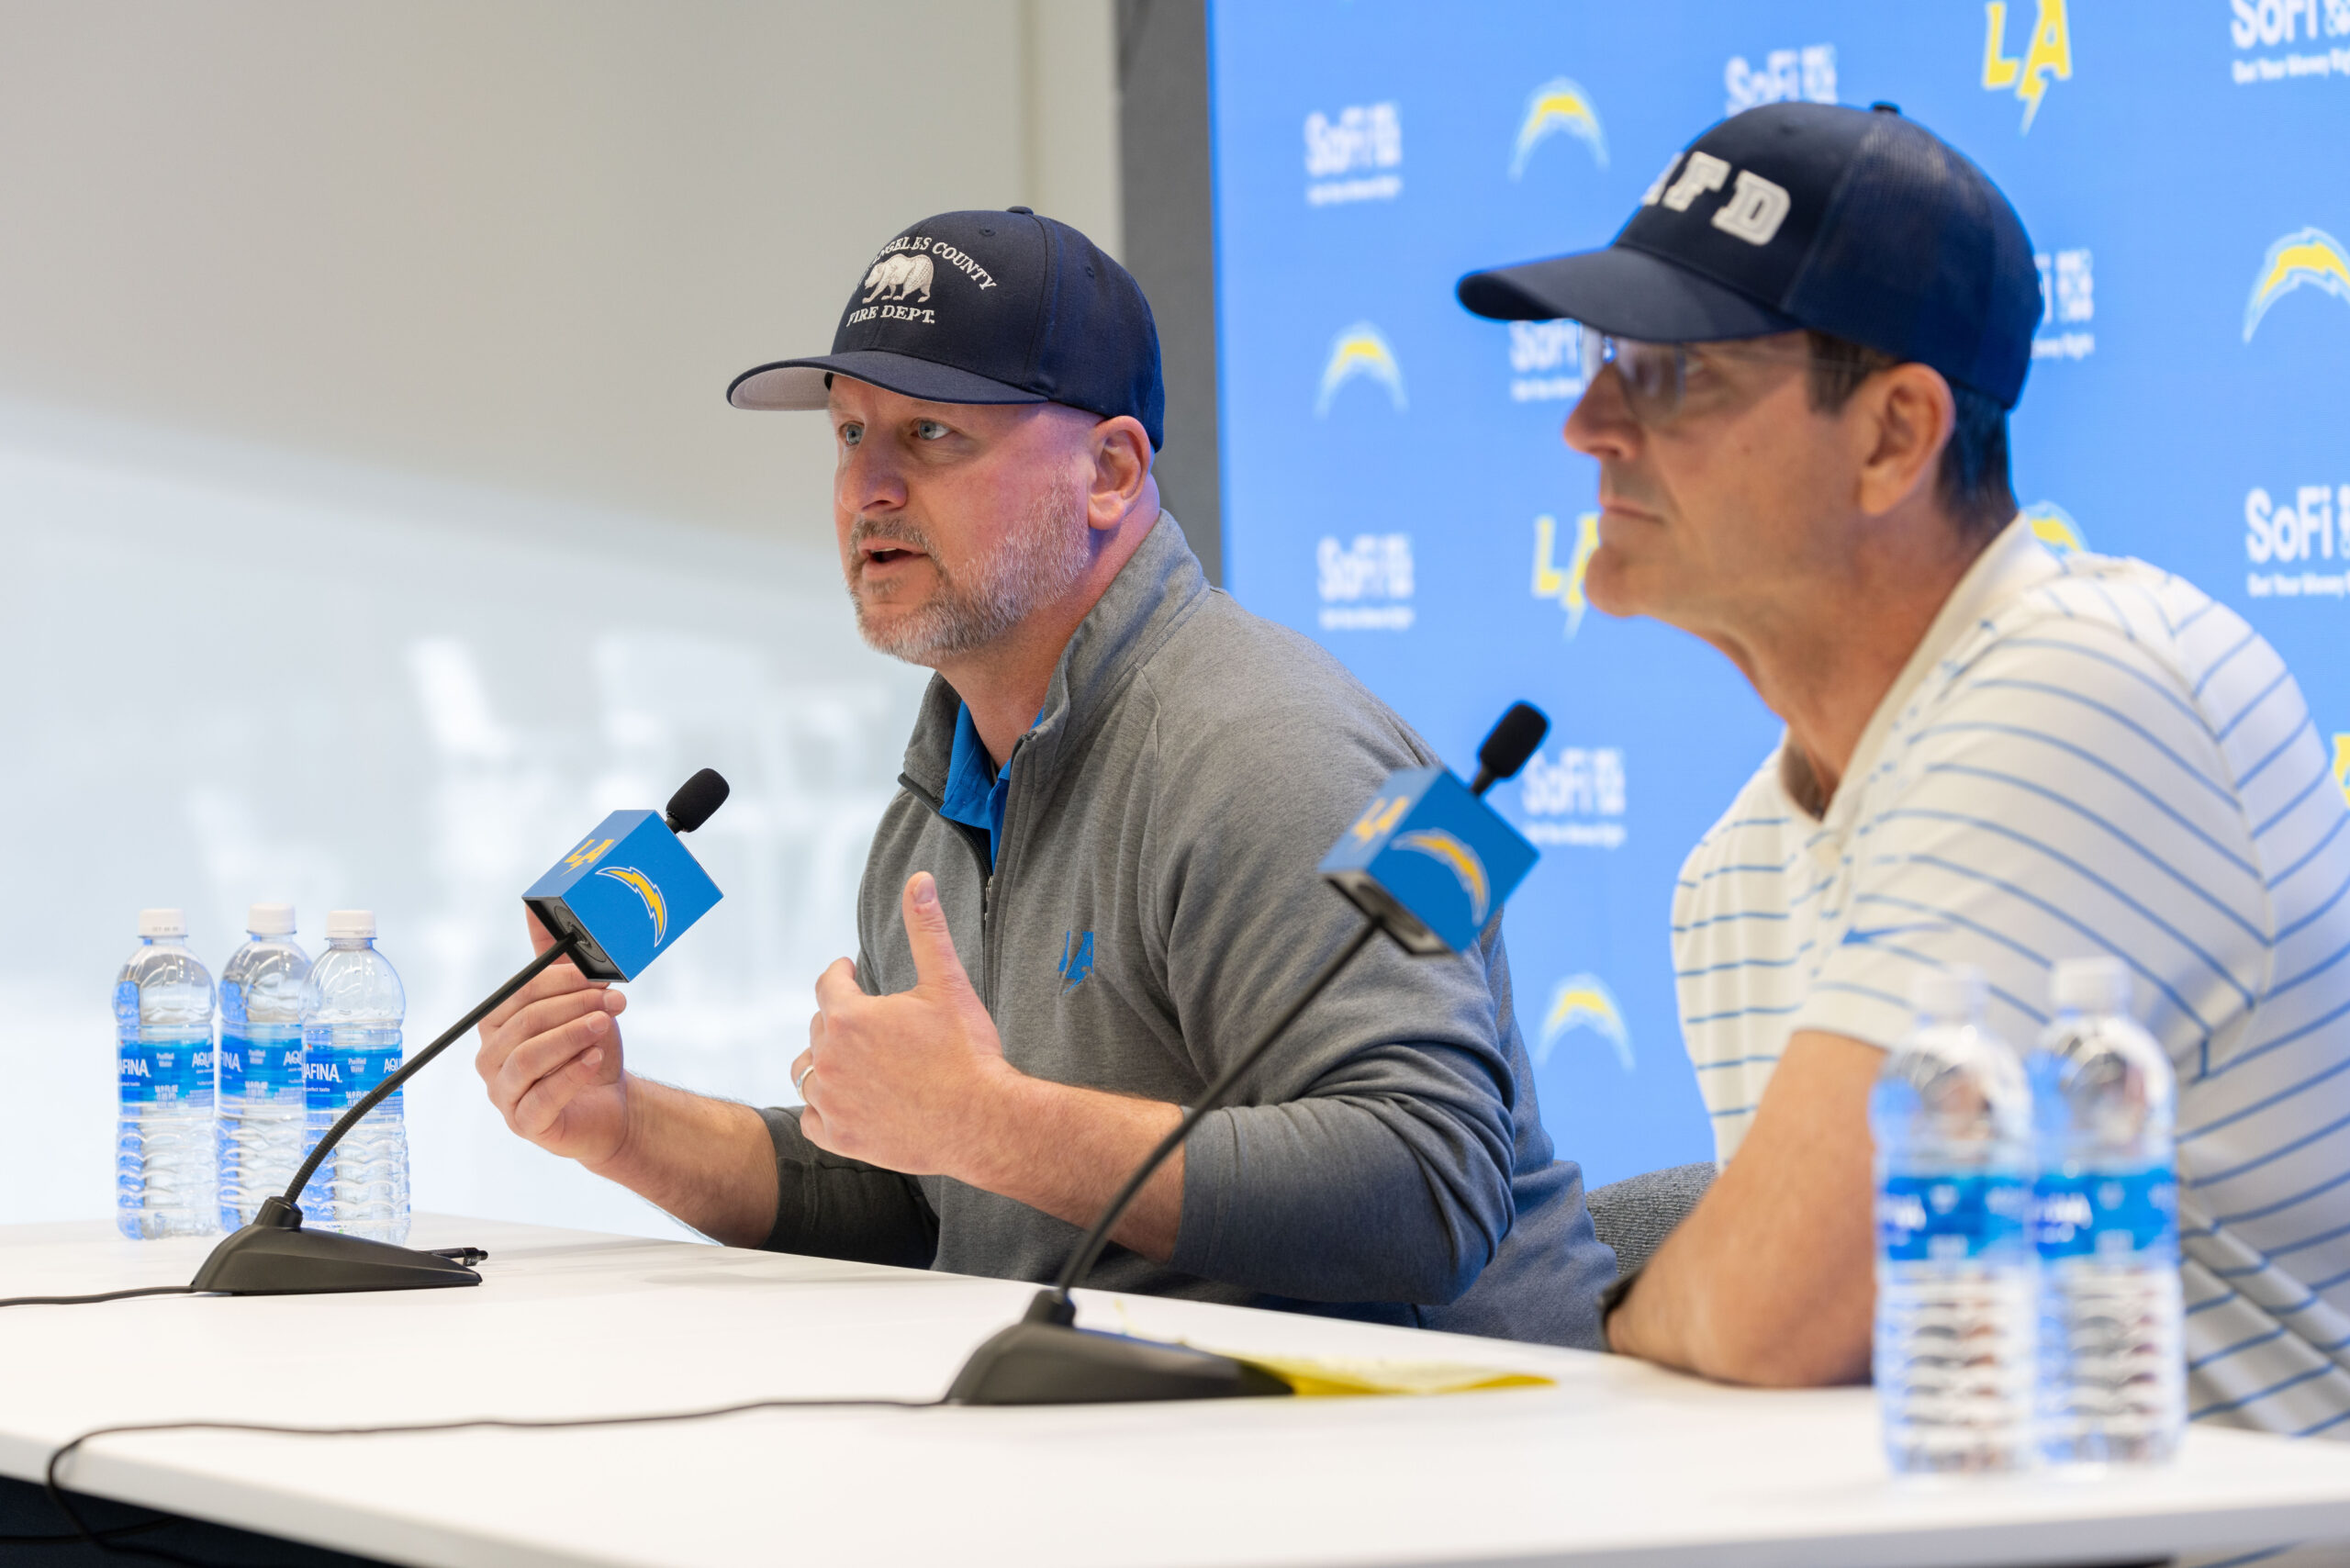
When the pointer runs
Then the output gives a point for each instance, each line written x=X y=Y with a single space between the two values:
x=986 y=308
x=1855 y=222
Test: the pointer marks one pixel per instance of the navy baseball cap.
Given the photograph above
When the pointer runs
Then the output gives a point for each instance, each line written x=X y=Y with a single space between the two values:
x=1855 y=222
x=986 y=308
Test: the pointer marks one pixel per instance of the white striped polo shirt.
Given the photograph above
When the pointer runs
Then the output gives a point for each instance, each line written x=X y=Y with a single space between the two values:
x=2083 y=756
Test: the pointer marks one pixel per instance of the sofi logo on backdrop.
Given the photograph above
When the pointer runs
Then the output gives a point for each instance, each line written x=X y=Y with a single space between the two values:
x=2292 y=527
x=2067 y=305
x=2307 y=37
x=1786 y=77
x=1574 y=797
x=1545 y=361
x=1355 y=157
x=1366 y=585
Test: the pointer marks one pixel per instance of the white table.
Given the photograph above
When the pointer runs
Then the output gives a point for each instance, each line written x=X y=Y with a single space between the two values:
x=1619 y=1464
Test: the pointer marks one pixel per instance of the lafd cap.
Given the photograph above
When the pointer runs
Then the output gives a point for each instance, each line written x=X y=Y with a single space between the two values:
x=1853 y=222
x=986 y=308
x=351 y=923
x=270 y=920
x=162 y=923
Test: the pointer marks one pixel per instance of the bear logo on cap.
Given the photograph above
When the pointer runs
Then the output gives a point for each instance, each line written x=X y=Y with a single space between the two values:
x=895 y=276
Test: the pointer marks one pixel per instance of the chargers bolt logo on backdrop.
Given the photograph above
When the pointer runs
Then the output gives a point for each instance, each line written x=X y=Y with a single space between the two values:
x=2049 y=56
x=1559 y=105
x=1583 y=1001
x=2055 y=527
x=2306 y=258
x=1565 y=585
x=1361 y=350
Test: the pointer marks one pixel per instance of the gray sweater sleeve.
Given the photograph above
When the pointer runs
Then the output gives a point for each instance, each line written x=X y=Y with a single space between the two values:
x=827 y=1206
x=1369 y=1155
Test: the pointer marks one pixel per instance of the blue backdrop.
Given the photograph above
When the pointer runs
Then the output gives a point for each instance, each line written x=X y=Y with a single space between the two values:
x=1395 y=487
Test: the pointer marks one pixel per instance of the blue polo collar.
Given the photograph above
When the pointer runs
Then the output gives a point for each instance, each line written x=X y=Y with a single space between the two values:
x=975 y=790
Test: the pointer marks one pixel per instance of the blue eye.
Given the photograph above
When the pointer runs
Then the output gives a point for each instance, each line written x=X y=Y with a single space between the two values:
x=852 y=434
x=928 y=429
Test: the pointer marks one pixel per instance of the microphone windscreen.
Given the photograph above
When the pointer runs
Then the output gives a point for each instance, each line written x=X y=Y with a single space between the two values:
x=702 y=794
x=1513 y=740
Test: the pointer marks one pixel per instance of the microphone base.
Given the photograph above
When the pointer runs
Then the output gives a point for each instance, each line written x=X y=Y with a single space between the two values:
x=275 y=1256
x=1044 y=1360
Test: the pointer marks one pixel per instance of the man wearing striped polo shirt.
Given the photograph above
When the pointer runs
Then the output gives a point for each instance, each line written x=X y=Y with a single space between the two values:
x=1995 y=754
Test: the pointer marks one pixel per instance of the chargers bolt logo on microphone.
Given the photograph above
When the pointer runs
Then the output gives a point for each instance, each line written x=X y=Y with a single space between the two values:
x=646 y=893
x=1428 y=859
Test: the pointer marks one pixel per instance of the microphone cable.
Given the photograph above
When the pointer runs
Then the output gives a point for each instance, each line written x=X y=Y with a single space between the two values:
x=101 y=1295
x=104 y=1540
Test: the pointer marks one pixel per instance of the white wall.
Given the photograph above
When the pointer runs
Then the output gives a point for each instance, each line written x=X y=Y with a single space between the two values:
x=521 y=242
x=373 y=520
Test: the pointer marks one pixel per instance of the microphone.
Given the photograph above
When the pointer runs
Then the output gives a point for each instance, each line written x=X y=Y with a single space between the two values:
x=1427 y=862
x=1508 y=748
x=612 y=905
x=629 y=889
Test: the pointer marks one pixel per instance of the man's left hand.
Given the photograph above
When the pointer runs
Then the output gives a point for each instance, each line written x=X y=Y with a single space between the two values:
x=904 y=1081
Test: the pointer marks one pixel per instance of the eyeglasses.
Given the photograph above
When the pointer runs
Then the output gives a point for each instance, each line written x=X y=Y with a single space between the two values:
x=1658 y=377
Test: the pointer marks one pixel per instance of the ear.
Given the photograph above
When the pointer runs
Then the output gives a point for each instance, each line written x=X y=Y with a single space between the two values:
x=1901 y=419
x=1121 y=453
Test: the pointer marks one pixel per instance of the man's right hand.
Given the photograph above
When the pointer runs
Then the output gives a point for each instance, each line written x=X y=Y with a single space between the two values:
x=551 y=1056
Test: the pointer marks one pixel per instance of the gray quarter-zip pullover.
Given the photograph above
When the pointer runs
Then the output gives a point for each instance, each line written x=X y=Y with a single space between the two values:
x=1385 y=1162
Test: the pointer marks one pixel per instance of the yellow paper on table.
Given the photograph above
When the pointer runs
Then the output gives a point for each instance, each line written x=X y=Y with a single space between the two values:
x=1345 y=1380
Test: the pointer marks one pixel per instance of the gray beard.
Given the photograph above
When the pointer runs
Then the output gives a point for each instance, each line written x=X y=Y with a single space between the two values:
x=1040 y=560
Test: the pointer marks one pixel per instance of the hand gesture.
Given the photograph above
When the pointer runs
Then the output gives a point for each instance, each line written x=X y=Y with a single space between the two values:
x=551 y=1056
x=904 y=1081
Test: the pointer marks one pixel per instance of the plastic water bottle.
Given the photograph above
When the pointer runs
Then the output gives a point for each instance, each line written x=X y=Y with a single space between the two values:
x=1952 y=1117
x=2105 y=1220
x=351 y=1009
x=260 y=1063
x=162 y=1148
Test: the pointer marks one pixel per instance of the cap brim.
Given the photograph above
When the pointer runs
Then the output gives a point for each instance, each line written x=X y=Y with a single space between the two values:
x=799 y=383
x=1624 y=292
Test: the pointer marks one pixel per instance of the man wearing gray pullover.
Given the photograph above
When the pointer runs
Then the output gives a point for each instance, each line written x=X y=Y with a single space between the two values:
x=1097 y=881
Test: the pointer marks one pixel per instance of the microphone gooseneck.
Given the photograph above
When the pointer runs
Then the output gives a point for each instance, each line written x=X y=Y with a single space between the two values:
x=1508 y=745
x=695 y=799
x=415 y=1064
x=1088 y=1252
x=1512 y=739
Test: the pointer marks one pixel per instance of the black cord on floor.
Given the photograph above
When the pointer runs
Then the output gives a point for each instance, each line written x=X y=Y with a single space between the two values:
x=101 y=1295
x=100 y=1540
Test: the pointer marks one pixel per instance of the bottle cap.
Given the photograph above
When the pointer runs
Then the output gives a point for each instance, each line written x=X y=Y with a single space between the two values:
x=162 y=923
x=350 y=923
x=2092 y=985
x=270 y=920
x=1953 y=994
